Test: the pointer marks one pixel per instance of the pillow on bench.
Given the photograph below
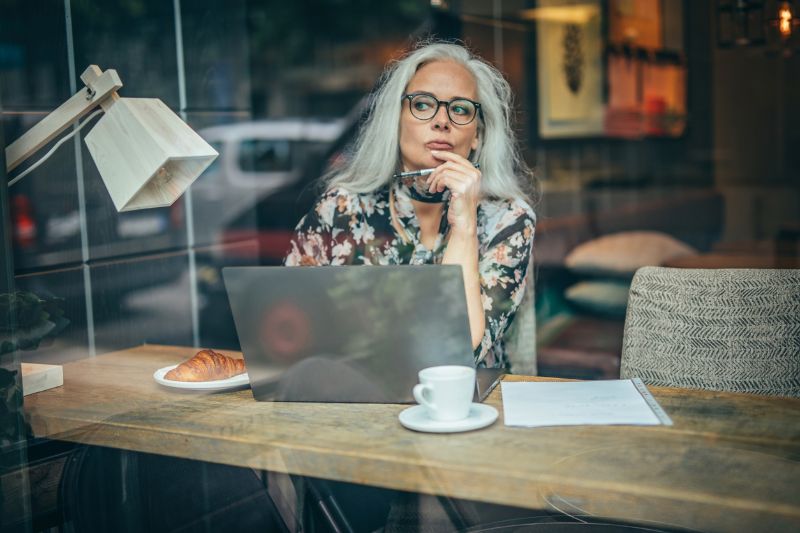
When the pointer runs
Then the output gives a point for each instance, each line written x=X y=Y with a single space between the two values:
x=621 y=254
x=605 y=298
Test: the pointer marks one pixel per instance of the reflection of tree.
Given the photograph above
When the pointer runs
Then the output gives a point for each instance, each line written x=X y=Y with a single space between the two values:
x=319 y=57
x=369 y=306
x=278 y=58
x=25 y=320
x=13 y=427
x=380 y=305
x=437 y=334
x=295 y=32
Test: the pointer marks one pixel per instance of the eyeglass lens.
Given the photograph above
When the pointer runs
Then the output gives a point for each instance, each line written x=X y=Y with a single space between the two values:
x=424 y=107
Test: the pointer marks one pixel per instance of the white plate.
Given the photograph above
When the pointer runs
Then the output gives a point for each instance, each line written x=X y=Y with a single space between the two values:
x=480 y=416
x=221 y=384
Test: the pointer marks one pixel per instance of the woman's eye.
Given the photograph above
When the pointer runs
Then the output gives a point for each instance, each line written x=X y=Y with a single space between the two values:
x=421 y=105
x=460 y=109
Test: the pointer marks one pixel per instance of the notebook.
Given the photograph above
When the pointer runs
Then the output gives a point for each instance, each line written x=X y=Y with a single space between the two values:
x=350 y=333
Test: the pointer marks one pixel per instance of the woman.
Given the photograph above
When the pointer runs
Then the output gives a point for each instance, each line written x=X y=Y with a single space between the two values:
x=440 y=107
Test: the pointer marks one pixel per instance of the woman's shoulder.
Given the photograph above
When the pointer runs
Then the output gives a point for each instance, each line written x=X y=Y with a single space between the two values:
x=510 y=221
x=503 y=212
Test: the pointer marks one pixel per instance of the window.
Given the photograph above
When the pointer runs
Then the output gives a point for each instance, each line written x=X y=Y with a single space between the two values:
x=262 y=155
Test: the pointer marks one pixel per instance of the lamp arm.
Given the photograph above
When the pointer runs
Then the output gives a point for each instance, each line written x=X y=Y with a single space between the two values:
x=55 y=147
x=100 y=88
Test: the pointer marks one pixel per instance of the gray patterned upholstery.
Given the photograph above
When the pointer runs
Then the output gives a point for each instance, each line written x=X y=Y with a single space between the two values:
x=728 y=329
x=521 y=334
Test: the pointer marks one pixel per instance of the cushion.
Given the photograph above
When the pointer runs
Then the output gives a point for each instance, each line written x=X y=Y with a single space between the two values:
x=621 y=254
x=607 y=298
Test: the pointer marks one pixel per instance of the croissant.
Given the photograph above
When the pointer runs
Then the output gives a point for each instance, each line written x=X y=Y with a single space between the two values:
x=207 y=365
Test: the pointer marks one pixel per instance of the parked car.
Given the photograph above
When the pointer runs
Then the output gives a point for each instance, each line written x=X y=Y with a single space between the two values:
x=257 y=160
x=248 y=203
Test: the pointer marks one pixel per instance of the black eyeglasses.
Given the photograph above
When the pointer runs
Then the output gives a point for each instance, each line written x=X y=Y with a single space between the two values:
x=460 y=111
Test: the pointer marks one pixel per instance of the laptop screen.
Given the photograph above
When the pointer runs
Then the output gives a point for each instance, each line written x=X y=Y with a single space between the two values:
x=347 y=333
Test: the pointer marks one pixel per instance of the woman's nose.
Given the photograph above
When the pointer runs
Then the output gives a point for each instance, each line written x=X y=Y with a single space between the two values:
x=441 y=120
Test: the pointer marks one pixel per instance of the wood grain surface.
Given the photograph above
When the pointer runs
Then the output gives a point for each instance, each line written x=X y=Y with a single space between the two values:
x=729 y=463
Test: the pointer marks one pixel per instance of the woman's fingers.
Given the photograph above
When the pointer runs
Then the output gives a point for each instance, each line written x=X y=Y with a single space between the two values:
x=463 y=180
x=462 y=165
x=440 y=179
x=456 y=184
x=455 y=181
x=455 y=170
x=454 y=160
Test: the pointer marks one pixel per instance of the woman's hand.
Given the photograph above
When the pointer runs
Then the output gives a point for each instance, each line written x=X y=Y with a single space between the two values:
x=464 y=181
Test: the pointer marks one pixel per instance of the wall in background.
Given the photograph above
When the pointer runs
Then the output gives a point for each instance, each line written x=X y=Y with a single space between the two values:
x=756 y=110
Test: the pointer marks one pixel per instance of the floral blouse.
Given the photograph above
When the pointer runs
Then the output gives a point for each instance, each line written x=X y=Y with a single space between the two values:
x=345 y=228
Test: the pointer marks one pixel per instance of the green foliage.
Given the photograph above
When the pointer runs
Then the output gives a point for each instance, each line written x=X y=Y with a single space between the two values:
x=13 y=426
x=26 y=319
x=296 y=29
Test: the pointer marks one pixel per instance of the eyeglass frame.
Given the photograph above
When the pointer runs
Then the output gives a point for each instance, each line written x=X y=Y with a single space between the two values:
x=446 y=103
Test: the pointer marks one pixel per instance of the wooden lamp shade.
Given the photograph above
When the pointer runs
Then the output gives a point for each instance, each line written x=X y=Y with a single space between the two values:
x=146 y=155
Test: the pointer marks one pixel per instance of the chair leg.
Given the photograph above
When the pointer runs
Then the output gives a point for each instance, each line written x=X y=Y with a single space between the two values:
x=325 y=502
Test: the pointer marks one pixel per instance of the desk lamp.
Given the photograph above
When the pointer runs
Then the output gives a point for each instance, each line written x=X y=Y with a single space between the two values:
x=146 y=155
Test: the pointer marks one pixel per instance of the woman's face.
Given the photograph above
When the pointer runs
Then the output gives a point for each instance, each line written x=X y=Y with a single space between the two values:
x=445 y=80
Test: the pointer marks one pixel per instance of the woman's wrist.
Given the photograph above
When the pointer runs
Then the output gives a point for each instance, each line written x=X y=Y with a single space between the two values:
x=464 y=231
x=462 y=245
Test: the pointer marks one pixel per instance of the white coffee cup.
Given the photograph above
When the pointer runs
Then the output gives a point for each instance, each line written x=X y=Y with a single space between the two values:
x=446 y=391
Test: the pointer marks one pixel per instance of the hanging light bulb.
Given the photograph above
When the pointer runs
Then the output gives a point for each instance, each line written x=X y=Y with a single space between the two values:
x=785 y=20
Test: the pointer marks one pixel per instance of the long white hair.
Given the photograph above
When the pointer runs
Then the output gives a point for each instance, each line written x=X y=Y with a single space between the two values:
x=375 y=156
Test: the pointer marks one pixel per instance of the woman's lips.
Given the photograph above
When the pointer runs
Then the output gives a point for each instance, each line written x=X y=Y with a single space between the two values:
x=437 y=145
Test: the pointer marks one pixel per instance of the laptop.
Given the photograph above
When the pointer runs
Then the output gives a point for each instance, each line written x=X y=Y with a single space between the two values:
x=350 y=333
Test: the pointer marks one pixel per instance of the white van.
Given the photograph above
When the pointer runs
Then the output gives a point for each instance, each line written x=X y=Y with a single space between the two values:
x=255 y=160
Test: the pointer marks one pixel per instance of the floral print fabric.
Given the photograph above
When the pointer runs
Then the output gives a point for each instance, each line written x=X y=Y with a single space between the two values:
x=345 y=228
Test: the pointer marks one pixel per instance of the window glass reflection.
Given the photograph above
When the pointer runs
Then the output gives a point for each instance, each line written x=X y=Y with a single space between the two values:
x=258 y=155
x=661 y=133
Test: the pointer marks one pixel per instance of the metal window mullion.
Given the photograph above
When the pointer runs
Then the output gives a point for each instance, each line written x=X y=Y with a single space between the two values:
x=87 y=278
x=189 y=211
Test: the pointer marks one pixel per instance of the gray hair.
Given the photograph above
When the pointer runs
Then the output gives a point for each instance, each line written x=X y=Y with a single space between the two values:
x=376 y=155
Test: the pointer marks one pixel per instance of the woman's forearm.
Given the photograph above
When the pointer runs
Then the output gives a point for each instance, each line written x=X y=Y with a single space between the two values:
x=462 y=249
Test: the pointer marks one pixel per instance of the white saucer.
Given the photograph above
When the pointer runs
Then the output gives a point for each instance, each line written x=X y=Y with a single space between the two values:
x=217 y=385
x=480 y=416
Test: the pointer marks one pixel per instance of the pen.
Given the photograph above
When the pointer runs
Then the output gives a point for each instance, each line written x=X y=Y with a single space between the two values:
x=423 y=172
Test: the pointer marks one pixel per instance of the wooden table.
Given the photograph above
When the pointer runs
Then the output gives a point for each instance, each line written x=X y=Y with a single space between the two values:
x=730 y=462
